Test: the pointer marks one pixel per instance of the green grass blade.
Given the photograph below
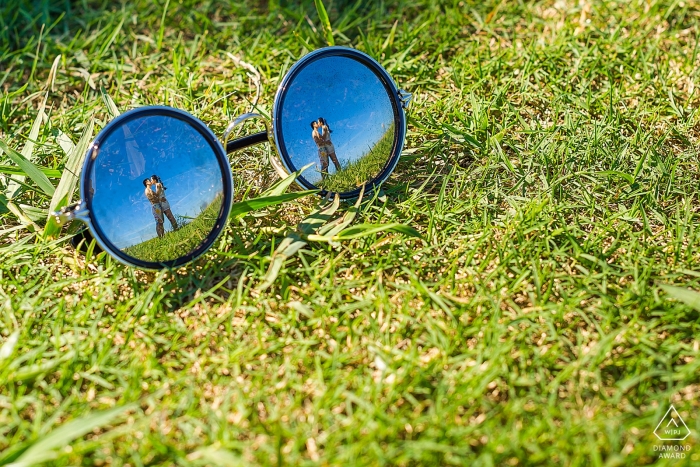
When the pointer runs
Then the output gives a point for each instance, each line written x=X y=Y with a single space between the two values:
x=66 y=186
x=11 y=170
x=333 y=228
x=243 y=207
x=325 y=22
x=286 y=249
x=46 y=448
x=109 y=103
x=38 y=215
x=30 y=169
x=281 y=186
x=319 y=217
x=14 y=186
x=364 y=230
x=3 y=204
x=689 y=297
x=161 y=30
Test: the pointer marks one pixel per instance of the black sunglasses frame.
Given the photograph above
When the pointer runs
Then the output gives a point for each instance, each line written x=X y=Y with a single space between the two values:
x=85 y=192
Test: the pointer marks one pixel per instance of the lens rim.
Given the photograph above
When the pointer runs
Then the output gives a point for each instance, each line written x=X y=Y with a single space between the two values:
x=392 y=91
x=205 y=131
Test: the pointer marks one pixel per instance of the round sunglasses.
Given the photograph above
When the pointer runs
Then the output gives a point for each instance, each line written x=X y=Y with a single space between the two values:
x=156 y=186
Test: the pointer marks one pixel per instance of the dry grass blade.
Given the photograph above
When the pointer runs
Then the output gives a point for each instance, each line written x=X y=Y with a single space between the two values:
x=52 y=73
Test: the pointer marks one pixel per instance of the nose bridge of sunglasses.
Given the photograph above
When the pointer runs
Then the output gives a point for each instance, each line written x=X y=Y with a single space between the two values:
x=251 y=140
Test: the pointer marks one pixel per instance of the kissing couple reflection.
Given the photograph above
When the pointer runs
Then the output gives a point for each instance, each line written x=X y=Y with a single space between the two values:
x=321 y=135
x=155 y=193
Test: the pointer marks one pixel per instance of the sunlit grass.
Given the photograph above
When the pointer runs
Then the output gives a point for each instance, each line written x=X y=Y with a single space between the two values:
x=362 y=170
x=551 y=166
x=181 y=242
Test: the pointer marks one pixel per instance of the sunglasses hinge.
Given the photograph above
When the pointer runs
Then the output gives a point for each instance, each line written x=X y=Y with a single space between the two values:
x=71 y=212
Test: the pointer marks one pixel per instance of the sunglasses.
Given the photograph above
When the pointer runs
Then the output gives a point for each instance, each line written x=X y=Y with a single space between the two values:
x=156 y=186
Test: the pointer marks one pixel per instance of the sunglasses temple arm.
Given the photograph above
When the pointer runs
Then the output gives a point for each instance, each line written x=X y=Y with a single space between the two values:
x=240 y=143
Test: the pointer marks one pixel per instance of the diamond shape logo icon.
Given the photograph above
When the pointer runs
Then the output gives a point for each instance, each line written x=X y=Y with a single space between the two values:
x=672 y=427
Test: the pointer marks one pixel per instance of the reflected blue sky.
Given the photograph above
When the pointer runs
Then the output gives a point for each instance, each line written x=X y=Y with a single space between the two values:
x=165 y=146
x=349 y=96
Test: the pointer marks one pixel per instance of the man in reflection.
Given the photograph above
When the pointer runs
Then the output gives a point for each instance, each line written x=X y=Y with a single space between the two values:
x=156 y=208
x=323 y=147
x=316 y=136
x=164 y=205
x=330 y=149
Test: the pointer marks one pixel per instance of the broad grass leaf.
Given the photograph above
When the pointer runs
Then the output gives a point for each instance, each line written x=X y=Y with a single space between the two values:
x=627 y=177
x=30 y=169
x=325 y=22
x=14 y=185
x=689 y=297
x=14 y=209
x=364 y=230
x=12 y=170
x=66 y=186
x=286 y=249
x=3 y=204
x=333 y=228
x=243 y=207
x=109 y=102
x=45 y=449
x=35 y=214
x=316 y=219
x=282 y=185
x=65 y=142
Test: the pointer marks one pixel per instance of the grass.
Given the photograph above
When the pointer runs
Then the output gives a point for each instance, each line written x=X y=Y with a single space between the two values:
x=178 y=243
x=365 y=168
x=551 y=166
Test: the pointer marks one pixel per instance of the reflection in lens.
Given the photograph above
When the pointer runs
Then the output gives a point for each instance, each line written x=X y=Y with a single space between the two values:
x=156 y=188
x=337 y=114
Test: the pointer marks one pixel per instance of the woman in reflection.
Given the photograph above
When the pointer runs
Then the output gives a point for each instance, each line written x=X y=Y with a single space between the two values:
x=164 y=205
x=321 y=144
x=156 y=209
x=330 y=149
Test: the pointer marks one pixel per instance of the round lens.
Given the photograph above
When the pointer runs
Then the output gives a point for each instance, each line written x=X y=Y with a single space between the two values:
x=338 y=111
x=158 y=187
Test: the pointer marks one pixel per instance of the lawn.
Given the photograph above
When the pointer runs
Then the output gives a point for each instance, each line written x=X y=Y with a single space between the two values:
x=364 y=169
x=547 y=316
x=178 y=243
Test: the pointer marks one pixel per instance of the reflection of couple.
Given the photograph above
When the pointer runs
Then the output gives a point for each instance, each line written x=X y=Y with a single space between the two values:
x=321 y=135
x=155 y=192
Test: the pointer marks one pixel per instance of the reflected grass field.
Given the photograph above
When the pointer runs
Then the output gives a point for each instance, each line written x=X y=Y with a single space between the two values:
x=367 y=167
x=177 y=243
